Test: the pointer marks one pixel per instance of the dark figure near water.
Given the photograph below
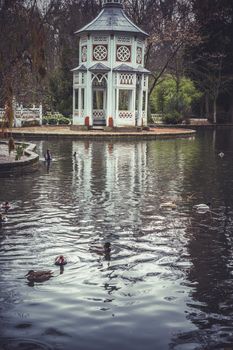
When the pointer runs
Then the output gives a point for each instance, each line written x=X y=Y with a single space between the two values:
x=6 y=206
x=48 y=156
x=104 y=250
x=107 y=251
x=75 y=154
x=3 y=218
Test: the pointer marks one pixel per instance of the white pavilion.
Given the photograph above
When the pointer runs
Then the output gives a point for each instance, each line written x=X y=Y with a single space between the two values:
x=110 y=85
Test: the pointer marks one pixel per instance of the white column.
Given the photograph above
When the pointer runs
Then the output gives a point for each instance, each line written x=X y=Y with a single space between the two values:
x=134 y=52
x=116 y=122
x=110 y=90
x=73 y=105
x=134 y=99
x=109 y=111
x=88 y=99
x=146 y=103
x=140 y=98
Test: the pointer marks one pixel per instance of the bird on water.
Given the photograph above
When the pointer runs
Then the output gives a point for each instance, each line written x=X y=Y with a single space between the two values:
x=39 y=276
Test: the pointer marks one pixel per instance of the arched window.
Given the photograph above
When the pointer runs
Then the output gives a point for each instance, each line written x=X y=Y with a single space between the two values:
x=99 y=80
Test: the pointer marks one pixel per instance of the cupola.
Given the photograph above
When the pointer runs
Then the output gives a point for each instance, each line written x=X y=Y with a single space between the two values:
x=110 y=85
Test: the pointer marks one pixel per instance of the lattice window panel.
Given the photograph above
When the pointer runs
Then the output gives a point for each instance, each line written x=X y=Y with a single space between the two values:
x=144 y=81
x=100 y=39
x=98 y=114
x=84 y=53
x=139 y=41
x=100 y=52
x=76 y=78
x=125 y=115
x=123 y=53
x=126 y=79
x=83 y=78
x=139 y=55
x=123 y=39
x=83 y=39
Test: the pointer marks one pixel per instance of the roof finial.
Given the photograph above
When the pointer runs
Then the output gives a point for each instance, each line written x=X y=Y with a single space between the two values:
x=112 y=3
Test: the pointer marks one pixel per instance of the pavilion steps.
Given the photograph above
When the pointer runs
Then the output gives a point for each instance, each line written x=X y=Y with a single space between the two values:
x=97 y=127
x=117 y=129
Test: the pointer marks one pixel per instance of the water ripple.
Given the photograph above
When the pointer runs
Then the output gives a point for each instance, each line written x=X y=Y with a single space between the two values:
x=167 y=277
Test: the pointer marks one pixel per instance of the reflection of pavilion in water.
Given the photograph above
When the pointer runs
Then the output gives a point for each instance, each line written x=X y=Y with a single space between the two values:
x=108 y=170
x=107 y=174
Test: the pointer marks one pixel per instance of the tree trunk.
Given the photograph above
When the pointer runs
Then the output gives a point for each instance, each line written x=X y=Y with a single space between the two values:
x=215 y=110
x=202 y=108
x=207 y=106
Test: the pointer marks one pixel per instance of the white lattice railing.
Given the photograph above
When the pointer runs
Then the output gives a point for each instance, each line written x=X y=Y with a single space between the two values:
x=2 y=111
x=125 y=114
x=22 y=114
x=126 y=79
x=123 y=39
x=98 y=114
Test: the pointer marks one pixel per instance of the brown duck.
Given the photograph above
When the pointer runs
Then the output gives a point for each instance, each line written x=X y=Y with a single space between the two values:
x=39 y=276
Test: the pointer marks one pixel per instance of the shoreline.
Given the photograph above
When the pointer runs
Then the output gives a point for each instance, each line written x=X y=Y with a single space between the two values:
x=45 y=132
x=30 y=160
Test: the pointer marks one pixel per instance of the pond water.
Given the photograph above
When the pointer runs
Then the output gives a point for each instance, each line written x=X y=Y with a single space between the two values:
x=166 y=283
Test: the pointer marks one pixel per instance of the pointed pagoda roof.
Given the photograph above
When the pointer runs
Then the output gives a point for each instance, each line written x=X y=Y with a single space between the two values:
x=99 y=68
x=80 y=68
x=124 y=68
x=112 y=19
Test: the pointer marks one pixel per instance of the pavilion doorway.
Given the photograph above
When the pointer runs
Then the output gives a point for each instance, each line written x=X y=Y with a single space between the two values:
x=99 y=101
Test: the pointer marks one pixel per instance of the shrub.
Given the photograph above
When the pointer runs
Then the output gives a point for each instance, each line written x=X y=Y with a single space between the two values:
x=19 y=151
x=44 y=121
x=52 y=121
x=169 y=96
x=172 y=118
x=64 y=121
x=30 y=123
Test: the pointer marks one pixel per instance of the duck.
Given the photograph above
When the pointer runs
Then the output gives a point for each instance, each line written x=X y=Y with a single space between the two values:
x=221 y=154
x=60 y=260
x=6 y=206
x=3 y=218
x=168 y=205
x=202 y=208
x=39 y=276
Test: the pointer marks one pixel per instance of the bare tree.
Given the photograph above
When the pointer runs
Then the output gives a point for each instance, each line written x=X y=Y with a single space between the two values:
x=172 y=29
x=211 y=79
